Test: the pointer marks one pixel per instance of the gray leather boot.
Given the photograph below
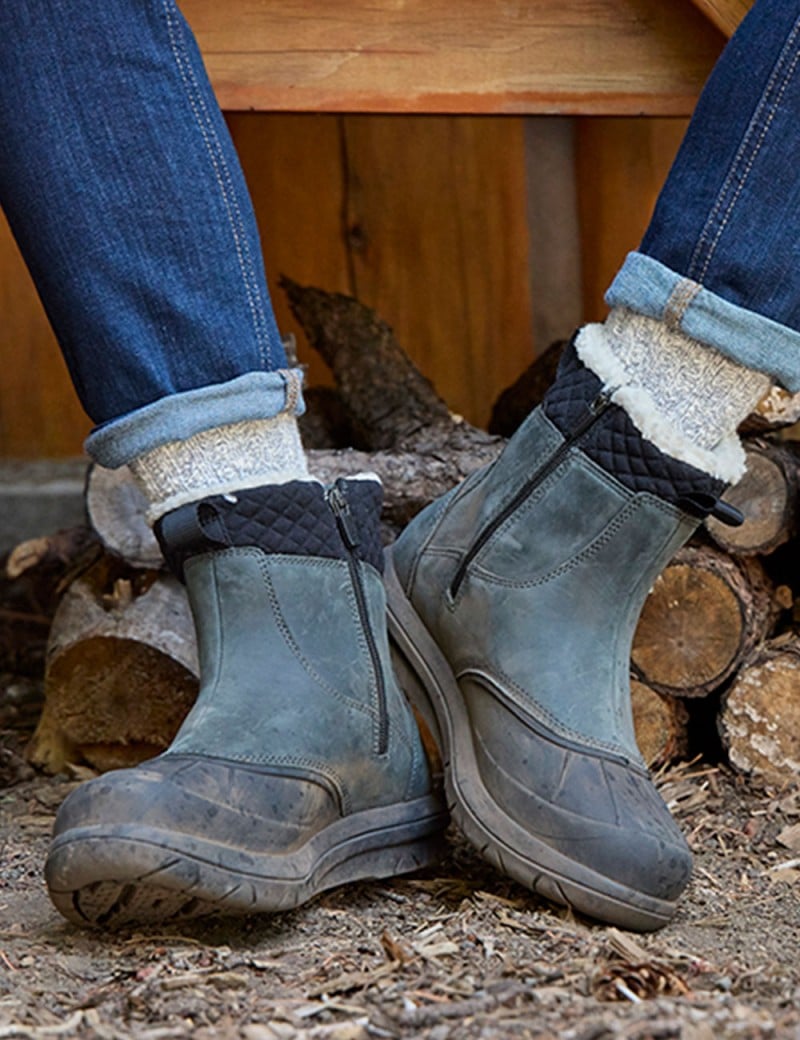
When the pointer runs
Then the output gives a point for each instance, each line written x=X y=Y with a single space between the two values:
x=300 y=766
x=513 y=601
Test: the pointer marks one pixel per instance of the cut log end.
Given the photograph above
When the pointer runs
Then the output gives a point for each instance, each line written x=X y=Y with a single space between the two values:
x=759 y=720
x=705 y=613
x=767 y=497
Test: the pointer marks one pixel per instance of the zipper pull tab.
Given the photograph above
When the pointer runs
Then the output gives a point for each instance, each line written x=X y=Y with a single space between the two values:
x=340 y=507
x=603 y=400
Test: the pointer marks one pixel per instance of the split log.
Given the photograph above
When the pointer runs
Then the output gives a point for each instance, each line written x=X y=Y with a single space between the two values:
x=767 y=495
x=514 y=405
x=121 y=669
x=660 y=723
x=410 y=438
x=759 y=721
x=388 y=399
x=117 y=511
x=326 y=422
x=705 y=614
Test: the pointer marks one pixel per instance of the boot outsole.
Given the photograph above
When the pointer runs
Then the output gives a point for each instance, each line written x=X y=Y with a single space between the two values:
x=428 y=681
x=113 y=875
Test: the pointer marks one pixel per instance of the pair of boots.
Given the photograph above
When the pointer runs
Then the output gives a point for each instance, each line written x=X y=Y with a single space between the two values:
x=512 y=603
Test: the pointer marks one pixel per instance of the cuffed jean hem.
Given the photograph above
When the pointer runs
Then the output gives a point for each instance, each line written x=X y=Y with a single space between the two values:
x=648 y=287
x=257 y=395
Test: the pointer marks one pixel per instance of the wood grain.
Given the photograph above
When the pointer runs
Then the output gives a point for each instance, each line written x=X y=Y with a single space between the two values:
x=422 y=218
x=39 y=412
x=621 y=165
x=568 y=56
x=725 y=14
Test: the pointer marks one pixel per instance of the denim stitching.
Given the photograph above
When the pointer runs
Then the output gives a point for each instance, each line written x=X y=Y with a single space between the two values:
x=734 y=175
x=223 y=179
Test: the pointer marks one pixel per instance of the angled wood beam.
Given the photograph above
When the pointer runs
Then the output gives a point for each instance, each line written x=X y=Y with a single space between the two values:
x=725 y=14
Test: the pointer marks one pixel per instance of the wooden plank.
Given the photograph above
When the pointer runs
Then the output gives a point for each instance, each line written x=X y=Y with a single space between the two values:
x=567 y=56
x=436 y=216
x=39 y=411
x=621 y=166
x=725 y=14
x=555 y=262
x=293 y=167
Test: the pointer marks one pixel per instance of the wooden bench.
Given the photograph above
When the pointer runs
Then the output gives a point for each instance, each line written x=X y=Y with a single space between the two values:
x=612 y=57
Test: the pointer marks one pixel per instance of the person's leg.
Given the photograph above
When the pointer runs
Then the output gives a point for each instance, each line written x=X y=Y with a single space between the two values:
x=721 y=257
x=301 y=765
x=514 y=599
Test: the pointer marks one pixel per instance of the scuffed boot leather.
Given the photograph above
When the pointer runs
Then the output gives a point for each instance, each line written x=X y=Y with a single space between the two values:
x=512 y=606
x=300 y=766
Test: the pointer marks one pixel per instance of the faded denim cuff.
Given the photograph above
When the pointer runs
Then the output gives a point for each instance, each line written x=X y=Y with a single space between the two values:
x=257 y=395
x=648 y=287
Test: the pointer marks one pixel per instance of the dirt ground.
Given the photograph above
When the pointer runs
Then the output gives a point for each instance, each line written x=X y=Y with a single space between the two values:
x=456 y=952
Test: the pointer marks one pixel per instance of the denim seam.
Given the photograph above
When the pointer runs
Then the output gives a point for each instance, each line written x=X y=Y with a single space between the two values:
x=758 y=127
x=222 y=177
x=679 y=302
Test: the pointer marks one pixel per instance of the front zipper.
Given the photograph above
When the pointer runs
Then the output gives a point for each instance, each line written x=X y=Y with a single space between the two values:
x=341 y=511
x=595 y=409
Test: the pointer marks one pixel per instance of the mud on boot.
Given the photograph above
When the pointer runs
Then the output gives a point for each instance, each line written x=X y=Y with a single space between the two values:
x=300 y=766
x=512 y=606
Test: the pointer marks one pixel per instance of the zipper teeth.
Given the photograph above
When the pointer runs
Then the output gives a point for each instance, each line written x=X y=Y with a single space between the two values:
x=338 y=503
x=595 y=409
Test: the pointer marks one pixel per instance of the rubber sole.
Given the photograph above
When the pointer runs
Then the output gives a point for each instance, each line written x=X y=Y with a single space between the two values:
x=113 y=875
x=428 y=681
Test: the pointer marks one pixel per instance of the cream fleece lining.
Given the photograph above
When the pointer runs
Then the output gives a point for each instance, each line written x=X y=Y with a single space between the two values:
x=726 y=461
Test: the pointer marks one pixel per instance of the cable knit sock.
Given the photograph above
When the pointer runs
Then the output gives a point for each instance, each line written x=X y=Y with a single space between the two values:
x=219 y=461
x=682 y=395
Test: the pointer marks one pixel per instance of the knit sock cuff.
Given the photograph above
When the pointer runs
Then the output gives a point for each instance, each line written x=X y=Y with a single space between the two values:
x=685 y=397
x=703 y=392
x=219 y=461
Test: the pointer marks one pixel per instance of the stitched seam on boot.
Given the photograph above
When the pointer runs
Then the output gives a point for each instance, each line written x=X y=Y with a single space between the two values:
x=311 y=765
x=610 y=531
x=444 y=509
x=285 y=631
x=208 y=688
x=528 y=705
x=311 y=770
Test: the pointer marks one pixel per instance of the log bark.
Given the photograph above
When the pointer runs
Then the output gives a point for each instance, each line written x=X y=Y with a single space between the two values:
x=409 y=437
x=660 y=723
x=705 y=614
x=391 y=405
x=759 y=719
x=121 y=669
x=33 y=578
x=767 y=495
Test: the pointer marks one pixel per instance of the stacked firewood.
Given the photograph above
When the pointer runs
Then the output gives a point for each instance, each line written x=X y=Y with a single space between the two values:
x=716 y=657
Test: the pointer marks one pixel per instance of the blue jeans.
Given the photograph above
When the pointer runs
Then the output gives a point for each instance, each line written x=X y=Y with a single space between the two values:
x=123 y=189
x=721 y=257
